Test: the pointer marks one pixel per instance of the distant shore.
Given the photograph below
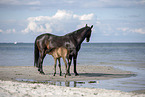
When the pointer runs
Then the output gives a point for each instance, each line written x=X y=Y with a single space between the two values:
x=9 y=85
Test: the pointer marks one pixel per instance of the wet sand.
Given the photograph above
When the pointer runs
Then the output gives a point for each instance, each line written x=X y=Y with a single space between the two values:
x=89 y=72
x=9 y=75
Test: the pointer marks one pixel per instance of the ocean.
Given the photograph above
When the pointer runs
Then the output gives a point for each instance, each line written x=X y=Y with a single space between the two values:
x=125 y=56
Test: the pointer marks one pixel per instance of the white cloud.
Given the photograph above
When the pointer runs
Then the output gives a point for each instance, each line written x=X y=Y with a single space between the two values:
x=84 y=17
x=34 y=27
x=123 y=29
x=20 y=2
x=62 y=14
x=8 y=31
x=31 y=27
x=39 y=18
x=137 y=30
x=33 y=3
x=61 y=21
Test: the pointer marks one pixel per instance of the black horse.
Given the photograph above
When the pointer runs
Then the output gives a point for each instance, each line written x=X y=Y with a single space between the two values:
x=45 y=43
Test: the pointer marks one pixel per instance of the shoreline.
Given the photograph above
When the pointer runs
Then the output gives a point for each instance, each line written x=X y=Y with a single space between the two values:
x=9 y=86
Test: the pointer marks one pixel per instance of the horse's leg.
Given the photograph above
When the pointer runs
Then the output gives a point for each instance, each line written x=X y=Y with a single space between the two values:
x=40 y=62
x=65 y=66
x=55 y=59
x=59 y=66
x=69 y=63
x=75 y=61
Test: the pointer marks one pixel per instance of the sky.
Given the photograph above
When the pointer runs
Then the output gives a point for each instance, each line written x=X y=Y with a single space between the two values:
x=112 y=20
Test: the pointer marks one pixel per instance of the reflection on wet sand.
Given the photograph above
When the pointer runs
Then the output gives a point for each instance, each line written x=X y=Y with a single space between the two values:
x=67 y=83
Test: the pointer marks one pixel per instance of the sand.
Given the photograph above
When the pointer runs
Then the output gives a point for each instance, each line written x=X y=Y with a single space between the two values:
x=85 y=73
x=10 y=87
x=17 y=89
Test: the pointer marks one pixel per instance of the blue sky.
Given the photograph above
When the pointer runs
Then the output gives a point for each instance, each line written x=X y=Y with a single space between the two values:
x=113 y=20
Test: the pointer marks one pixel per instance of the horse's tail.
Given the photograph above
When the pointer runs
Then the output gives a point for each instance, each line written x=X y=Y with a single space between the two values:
x=36 y=55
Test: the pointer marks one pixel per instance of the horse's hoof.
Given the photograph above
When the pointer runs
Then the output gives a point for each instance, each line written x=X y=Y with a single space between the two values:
x=76 y=74
x=42 y=73
x=60 y=74
x=68 y=74
x=54 y=74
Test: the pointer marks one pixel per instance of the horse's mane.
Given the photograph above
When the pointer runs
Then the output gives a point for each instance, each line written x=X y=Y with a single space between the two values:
x=68 y=34
x=75 y=32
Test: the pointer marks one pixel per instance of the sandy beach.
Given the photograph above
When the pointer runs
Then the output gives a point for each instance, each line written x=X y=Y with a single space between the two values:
x=89 y=72
x=10 y=75
x=17 y=89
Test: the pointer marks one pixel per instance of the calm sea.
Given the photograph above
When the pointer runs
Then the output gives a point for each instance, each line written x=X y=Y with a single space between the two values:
x=126 y=56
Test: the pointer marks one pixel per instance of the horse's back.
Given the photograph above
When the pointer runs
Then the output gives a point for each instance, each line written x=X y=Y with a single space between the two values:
x=44 y=37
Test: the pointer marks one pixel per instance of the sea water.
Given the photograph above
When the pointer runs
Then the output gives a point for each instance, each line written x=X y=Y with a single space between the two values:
x=125 y=56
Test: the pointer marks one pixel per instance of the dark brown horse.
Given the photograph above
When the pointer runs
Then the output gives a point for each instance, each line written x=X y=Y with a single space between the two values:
x=71 y=41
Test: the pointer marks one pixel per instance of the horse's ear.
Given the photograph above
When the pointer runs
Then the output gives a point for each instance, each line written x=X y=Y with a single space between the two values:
x=91 y=26
x=86 y=25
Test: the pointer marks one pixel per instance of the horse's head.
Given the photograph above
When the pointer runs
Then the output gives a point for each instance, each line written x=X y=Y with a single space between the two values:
x=88 y=34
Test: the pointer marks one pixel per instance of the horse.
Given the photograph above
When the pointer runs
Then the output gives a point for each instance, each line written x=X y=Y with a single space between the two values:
x=71 y=41
x=57 y=53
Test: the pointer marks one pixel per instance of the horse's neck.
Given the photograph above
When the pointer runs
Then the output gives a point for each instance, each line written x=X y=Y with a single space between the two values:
x=80 y=37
